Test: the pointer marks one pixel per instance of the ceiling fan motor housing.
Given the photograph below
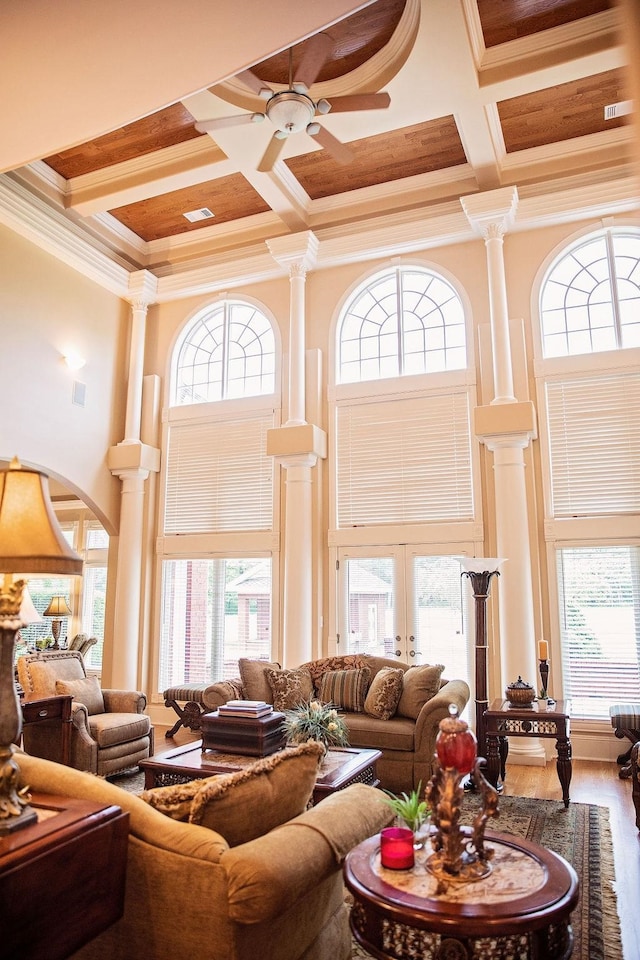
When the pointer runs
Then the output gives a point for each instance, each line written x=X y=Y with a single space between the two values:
x=290 y=112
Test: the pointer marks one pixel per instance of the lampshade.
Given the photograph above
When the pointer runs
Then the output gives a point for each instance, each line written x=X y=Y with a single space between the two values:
x=31 y=541
x=58 y=607
x=28 y=613
x=481 y=564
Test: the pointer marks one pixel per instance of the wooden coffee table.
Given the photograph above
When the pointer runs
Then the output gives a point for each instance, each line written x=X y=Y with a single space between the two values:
x=522 y=909
x=341 y=767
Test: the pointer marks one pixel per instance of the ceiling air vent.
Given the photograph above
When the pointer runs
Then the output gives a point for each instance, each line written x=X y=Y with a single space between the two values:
x=620 y=109
x=202 y=214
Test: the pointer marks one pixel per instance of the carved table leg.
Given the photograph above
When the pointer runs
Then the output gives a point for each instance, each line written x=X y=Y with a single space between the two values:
x=563 y=764
x=493 y=759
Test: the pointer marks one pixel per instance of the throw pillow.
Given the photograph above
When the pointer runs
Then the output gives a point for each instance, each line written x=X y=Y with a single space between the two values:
x=318 y=668
x=419 y=684
x=384 y=693
x=255 y=685
x=86 y=691
x=289 y=688
x=346 y=689
x=244 y=805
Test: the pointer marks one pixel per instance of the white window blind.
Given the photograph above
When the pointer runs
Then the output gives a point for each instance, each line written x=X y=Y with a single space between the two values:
x=219 y=477
x=594 y=445
x=599 y=591
x=404 y=460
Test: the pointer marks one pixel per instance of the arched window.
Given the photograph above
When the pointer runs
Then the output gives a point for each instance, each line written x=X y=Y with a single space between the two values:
x=404 y=321
x=227 y=351
x=590 y=299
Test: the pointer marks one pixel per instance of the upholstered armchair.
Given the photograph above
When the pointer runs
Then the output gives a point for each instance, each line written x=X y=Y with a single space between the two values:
x=109 y=731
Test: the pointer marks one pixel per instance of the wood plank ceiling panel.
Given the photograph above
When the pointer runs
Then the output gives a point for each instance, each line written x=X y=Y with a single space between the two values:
x=230 y=198
x=573 y=109
x=421 y=148
x=504 y=20
x=162 y=129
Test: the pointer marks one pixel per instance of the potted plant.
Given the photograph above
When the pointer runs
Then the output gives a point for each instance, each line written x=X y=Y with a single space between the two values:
x=412 y=810
x=313 y=720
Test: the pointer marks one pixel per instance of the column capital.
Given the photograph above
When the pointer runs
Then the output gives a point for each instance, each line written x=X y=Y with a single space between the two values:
x=504 y=425
x=142 y=288
x=297 y=253
x=299 y=445
x=131 y=458
x=491 y=213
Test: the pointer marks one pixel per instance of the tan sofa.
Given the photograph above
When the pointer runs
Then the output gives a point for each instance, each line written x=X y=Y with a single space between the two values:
x=189 y=894
x=407 y=741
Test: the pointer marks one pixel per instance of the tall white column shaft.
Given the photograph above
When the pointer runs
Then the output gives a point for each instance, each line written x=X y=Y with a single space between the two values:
x=297 y=622
x=297 y=280
x=501 y=346
x=136 y=372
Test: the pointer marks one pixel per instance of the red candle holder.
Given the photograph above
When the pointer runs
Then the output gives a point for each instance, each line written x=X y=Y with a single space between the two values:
x=396 y=848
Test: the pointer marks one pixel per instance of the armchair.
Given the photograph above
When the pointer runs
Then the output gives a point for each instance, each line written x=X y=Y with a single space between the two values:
x=109 y=729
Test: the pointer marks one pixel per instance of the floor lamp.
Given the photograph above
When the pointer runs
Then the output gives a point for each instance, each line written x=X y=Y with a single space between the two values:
x=31 y=545
x=480 y=570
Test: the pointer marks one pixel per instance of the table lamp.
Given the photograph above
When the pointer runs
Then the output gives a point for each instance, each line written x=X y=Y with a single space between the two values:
x=58 y=608
x=31 y=545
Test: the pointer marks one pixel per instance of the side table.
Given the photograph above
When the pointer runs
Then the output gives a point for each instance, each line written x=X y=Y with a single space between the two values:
x=51 y=710
x=522 y=909
x=543 y=718
x=62 y=879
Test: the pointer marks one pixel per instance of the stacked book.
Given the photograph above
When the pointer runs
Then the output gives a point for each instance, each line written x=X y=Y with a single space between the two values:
x=249 y=709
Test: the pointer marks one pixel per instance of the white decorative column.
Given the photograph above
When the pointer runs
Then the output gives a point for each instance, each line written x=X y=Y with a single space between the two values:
x=296 y=447
x=507 y=427
x=131 y=461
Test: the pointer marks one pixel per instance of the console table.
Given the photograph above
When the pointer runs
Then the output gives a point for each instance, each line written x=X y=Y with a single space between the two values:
x=522 y=909
x=543 y=718
x=62 y=879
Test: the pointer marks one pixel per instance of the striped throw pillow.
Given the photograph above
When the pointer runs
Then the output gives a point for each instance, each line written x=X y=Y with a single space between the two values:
x=346 y=689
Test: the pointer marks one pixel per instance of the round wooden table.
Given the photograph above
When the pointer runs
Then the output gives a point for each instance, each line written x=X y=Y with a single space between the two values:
x=522 y=909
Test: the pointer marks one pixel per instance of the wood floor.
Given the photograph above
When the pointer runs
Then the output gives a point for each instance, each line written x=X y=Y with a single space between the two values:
x=597 y=782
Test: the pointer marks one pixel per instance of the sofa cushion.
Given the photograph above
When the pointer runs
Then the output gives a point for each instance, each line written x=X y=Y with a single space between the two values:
x=384 y=693
x=290 y=688
x=86 y=691
x=419 y=684
x=255 y=685
x=346 y=689
x=398 y=733
x=111 y=729
x=244 y=805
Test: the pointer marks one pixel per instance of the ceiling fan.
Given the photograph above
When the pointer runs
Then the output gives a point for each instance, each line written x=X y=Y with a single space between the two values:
x=294 y=110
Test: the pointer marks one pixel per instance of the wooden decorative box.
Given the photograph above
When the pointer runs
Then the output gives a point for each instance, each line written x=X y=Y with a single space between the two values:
x=247 y=736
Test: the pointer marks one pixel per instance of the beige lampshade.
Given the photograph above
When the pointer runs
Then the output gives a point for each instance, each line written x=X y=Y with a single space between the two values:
x=28 y=613
x=58 y=607
x=31 y=541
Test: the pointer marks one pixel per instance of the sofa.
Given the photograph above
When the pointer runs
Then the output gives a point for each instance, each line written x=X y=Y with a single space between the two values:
x=405 y=733
x=190 y=892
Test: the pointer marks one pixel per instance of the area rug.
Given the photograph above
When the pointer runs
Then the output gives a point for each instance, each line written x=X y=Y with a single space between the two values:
x=582 y=835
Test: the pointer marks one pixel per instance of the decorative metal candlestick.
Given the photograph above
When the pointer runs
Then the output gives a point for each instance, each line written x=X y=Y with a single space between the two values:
x=544 y=676
x=460 y=855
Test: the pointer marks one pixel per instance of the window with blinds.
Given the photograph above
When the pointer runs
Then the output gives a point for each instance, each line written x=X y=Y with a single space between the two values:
x=405 y=460
x=594 y=444
x=599 y=590
x=218 y=476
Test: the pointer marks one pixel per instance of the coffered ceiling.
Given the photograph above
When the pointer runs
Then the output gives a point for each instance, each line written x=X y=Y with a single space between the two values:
x=483 y=94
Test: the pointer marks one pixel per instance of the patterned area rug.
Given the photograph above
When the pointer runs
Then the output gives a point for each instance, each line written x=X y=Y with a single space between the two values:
x=582 y=835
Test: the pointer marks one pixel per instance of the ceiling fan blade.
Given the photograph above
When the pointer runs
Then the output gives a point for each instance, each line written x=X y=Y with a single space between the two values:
x=221 y=123
x=254 y=83
x=272 y=153
x=338 y=150
x=317 y=49
x=360 y=101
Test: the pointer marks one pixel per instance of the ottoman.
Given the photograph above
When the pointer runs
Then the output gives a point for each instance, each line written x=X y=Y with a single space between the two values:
x=625 y=720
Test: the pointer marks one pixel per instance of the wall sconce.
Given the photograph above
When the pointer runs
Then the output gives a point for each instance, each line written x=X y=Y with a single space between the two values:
x=480 y=570
x=74 y=361
x=31 y=545
x=59 y=608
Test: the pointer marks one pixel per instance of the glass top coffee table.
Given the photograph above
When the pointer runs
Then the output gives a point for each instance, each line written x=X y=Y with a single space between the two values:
x=341 y=767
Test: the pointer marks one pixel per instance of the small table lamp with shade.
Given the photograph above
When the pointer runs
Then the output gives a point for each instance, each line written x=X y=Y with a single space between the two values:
x=58 y=609
x=31 y=545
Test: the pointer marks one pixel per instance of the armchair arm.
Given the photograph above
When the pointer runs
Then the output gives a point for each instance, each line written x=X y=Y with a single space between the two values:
x=268 y=874
x=427 y=724
x=124 y=701
x=218 y=693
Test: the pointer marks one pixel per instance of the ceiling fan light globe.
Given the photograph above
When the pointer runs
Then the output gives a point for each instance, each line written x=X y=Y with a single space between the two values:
x=258 y=117
x=323 y=106
x=290 y=112
x=313 y=128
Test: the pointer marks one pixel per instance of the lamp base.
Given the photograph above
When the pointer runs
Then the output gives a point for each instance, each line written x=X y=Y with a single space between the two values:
x=15 y=812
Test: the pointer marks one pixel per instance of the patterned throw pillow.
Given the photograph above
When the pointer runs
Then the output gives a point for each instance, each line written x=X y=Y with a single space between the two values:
x=86 y=691
x=346 y=689
x=253 y=673
x=419 y=684
x=289 y=688
x=384 y=693
x=318 y=668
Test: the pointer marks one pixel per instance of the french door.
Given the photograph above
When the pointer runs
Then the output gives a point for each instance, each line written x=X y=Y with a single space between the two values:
x=404 y=601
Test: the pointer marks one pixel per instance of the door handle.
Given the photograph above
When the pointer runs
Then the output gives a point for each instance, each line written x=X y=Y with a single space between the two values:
x=412 y=653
